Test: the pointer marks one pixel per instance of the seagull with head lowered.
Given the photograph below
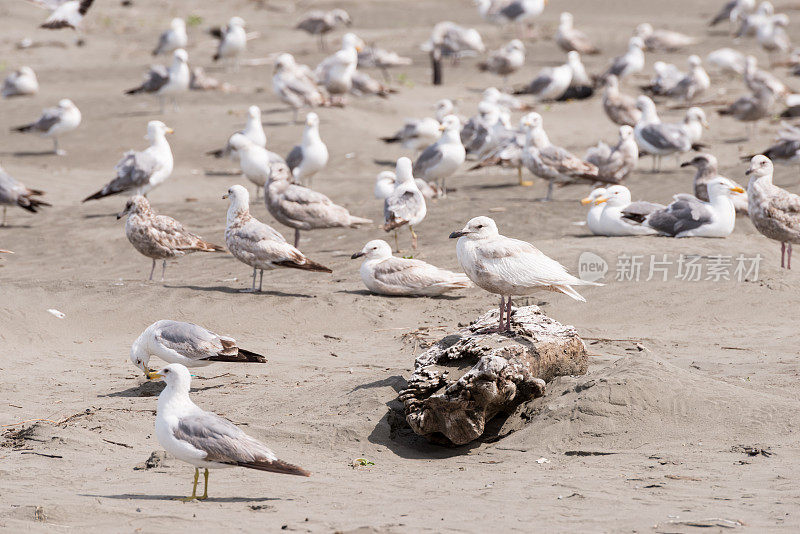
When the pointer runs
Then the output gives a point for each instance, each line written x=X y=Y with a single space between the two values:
x=443 y=158
x=187 y=344
x=203 y=438
x=509 y=267
x=160 y=237
x=65 y=13
x=139 y=172
x=55 y=122
x=253 y=130
x=232 y=41
x=257 y=244
x=311 y=155
x=384 y=274
x=173 y=38
x=21 y=82
x=167 y=81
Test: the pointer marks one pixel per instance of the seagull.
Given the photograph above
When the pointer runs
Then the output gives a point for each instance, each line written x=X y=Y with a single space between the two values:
x=205 y=439
x=232 y=41
x=448 y=39
x=311 y=155
x=21 y=82
x=15 y=193
x=509 y=267
x=506 y=60
x=302 y=208
x=167 y=81
x=751 y=108
x=444 y=107
x=631 y=62
x=160 y=237
x=484 y=133
x=666 y=77
x=595 y=209
x=65 y=13
x=548 y=161
x=615 y=164
x=755 y=78
x=772 y=36
x=443 y=158
x=728 y=60
x=508 y=153
x=405 y=204
x=384 y=274
x=707 y=170
x=612 y=220
x=580 y=85
x=258 y=164
x=569 y=38
x=257 y=244
x=733 y=11
x=335 y=73
x=187 y=344
x=494 y=96
x=619 y=107
x=694 y=122
x=787 y=147
x=253 y=130
x=364 y=84
x=657 y=138
x=295 y=84
x=693 y=83
x=55 y=122
x=416 y=134
x=688 y=216
x=385 y=182
x=139 y=172
x=382 y=59
x=774 y=212
x=321 y=22
x=550 y=83
x=172 y=39
x=519 y=11
x=662 y=40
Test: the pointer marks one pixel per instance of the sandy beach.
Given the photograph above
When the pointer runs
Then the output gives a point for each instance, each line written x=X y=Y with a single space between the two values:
x=685 y=375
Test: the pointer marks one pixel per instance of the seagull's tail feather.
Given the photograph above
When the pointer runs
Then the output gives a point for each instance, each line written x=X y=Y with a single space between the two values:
x=56 y=25
x=242 y=356
x=275 y=466
x=357 y=221
x=205 y=246
x=393 y=139
x=308 y=265
x=100 y=194
x=25 y=128
x=31 y=204
x=216 y=153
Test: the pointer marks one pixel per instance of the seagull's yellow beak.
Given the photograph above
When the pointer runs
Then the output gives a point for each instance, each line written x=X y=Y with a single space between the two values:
x=441 y=127
x=225 y=196
x=152 y=375
x=587 y=200
x=359 y=48
x=169 y=131
x=705 y=125
x=737 y=189
x=600 y=200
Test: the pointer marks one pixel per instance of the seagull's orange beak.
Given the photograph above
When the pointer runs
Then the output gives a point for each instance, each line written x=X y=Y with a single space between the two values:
x=600 y=200
x=737 y=189
x=152 y=375
x=587 y=200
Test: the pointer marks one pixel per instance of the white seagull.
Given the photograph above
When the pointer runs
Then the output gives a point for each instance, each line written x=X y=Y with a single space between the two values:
x=55 y=122
x=443 y=158
x=232 y=41
x=65 y=13
x=173 y=38
x=311 y=155
x=21 y=82
x=253 y=130
x=167 y=81
x=405 y=204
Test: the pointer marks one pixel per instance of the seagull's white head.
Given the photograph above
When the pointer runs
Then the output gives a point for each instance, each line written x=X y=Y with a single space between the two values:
x=695 y=61
x=26 y=71
x=65 y=103
x=531 y=120
x=635 y=43
x=596 y=193
x=135 y=204
x=180 y=55
x=473 y=40
x=312 y=120
x=175 y=375
x=766 y=8
x=377 y=249
x=236 y=22
x=625 y=132
x=156 y=130
x=760 y=166
x=566 y=19
x=284 y=61
x=177 y=24
x=139 y=354
x=351 y=40
x=239 y=141
x=239 y=200
x=254 y=112
x=721 y=186
x=477 y=228
x=616 y=195
x=403 y=171
x=515 y=44
x=341 y=16
x=695 y=114
x=451 y=124
x=644 y=30
x=491 y=94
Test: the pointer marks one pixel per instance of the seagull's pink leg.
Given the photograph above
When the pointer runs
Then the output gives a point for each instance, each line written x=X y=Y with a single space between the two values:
x=783 y=254
x=789 y=259
x=508 y=314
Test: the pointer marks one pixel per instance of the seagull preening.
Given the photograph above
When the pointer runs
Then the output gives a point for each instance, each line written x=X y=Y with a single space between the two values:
x=187 y=344
x=510 y=267
x=405 y=204
x=140 y=172
x=257 y=244
x=160 y=237
x=21 y=82
x=15 y=193
x=205 y=439
x=385 y=274
x=55 y=122
x=167 y=81
x=311 y=155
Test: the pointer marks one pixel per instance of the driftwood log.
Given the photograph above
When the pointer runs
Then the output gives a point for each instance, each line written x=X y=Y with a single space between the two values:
x=467 y=378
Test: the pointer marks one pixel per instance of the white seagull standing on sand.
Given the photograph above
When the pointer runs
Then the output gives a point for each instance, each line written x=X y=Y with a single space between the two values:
x=443 y=158
x=65 y=13
x=774 y=212
x=15 y=193
x=205 y=439
x=139 y=172
x=311 y=155
x=295 y=84
x=167 y=81
x=320 y=23
x=55 y=122
x=257 y=244
x=253 y=130
x=384 y=274
x=569 y=38
x=187 y=344
x=232 y=41
x=160 y=237
x=335 y=73
x=302 y=208
x=509 y=267
x=657 y=138
x=172 y=39
x=631 y=62
x=257 y=163
x=21 y=82
x=405 y=204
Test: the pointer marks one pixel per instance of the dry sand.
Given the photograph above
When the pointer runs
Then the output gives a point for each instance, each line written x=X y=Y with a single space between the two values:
x=718 y=369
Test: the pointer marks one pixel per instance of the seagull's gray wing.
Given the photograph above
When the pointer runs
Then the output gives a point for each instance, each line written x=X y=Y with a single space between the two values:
x=664 y=136
x=540 y=83
x=133 y=170
x=190 y=340
x=295 y=157
x=399 y=208
x=639 y=210
x=429 y=158
x=513 y=10
x=49 y=118
x=686 y=213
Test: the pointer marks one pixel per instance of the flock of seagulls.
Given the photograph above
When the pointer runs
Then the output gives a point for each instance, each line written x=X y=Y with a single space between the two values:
x=438 y=147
